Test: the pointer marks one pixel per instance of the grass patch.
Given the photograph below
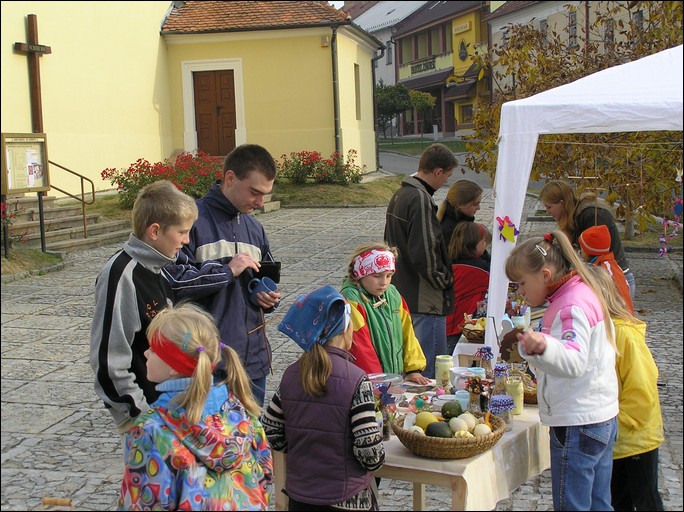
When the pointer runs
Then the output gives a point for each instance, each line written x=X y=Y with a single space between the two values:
x=415 y=147
x=371 y=193
x=22 y=259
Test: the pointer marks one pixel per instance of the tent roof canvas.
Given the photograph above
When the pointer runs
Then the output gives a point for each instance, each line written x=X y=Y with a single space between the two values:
x=641 y=95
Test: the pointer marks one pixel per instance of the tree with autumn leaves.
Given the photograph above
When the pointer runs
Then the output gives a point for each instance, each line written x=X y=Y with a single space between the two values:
x=635 y=170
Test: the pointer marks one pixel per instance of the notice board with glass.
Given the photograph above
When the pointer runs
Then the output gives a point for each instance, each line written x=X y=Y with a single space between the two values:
x=24 y=163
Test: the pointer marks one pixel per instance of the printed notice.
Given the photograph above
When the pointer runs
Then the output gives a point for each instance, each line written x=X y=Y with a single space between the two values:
x=25 y=162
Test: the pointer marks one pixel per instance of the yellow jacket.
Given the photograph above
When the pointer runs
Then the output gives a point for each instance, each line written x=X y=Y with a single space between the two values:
x=640 y=421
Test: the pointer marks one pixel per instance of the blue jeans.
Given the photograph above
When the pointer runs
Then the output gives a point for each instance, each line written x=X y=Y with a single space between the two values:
x=431 y=333
x=259 y=389
x=631 y=281
x=582 y=465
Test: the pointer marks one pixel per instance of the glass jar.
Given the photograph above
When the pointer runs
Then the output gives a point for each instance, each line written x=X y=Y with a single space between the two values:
x=507 y=417
x=474 y=403
x=500 y=385
x=443 y=366
x=502 y=407
x=514 y=387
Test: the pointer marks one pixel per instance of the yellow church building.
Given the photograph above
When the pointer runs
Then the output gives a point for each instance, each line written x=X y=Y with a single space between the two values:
x=119 y=81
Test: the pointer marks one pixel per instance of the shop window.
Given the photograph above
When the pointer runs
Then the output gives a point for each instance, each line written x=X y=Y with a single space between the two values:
x=467 y=113
x=572 y=30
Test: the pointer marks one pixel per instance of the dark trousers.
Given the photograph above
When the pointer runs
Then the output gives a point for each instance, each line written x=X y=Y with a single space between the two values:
x=634 y=484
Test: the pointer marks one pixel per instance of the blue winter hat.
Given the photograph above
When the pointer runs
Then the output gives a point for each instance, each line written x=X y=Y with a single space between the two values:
x=316 y=317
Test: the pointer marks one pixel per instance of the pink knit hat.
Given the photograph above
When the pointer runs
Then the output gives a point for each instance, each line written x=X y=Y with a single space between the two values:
x=595 y=241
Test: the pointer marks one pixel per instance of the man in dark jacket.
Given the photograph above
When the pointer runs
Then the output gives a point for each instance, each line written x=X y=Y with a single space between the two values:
x=423 y=268
x=226 y=248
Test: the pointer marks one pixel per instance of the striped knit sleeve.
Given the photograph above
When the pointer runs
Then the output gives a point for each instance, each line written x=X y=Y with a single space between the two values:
x=273 y=421
x=368 y=448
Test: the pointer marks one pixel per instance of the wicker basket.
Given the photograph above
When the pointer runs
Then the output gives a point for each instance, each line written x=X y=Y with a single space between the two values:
x=448 y=448
x=474 y=336
x=529 y=387
x=530 y=395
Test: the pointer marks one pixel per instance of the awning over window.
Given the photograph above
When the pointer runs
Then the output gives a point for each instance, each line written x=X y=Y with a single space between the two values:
x=462 y=90
x=427 y=80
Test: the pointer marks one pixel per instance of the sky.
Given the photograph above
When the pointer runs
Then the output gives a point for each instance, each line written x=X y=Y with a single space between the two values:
x=338 y=5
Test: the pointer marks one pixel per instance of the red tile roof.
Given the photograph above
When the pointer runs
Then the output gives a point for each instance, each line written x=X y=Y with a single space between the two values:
x=208 y=16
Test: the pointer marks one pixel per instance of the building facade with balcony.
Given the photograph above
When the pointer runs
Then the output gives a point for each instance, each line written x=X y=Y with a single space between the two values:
x=434 y=49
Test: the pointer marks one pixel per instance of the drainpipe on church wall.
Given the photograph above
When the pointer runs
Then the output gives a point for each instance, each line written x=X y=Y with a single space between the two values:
x=375 y=105
x=336 y=89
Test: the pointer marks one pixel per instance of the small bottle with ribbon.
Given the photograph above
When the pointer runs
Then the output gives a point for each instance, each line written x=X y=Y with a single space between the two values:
x=502 y=406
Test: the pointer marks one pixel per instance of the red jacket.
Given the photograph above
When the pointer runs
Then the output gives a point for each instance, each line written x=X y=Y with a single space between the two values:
x=471 y=281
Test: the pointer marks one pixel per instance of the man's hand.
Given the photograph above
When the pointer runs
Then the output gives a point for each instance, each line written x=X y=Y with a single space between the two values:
x=533 y=342
x=242 y=261
x=268 y=300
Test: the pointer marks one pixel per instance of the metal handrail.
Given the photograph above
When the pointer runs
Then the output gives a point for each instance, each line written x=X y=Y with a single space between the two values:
x=81 y=199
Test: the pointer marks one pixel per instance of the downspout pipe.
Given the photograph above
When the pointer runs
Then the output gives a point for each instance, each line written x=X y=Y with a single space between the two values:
x=336 y=89
x=375 y=105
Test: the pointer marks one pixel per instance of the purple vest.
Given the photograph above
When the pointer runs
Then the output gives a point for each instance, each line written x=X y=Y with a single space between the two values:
x=321 y=466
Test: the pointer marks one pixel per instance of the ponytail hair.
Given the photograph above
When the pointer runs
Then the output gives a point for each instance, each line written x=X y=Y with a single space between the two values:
x=238 y=381
x=315 y=366
x=314 y=370
x=196 y=352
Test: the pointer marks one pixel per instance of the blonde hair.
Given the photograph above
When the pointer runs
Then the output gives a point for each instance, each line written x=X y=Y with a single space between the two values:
x=189 y=327
x=315 y=366
x=555 y=192
x=559 y=256
x=465 y=239
x=461 y=193
x=370 y=246
x=614 y=301
x=161 y=203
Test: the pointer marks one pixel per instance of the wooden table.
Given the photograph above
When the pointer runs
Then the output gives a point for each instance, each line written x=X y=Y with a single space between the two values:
x=476 y=483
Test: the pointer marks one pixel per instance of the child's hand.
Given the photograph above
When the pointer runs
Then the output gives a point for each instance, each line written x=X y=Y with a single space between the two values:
x=533 y=342
x=418 y=379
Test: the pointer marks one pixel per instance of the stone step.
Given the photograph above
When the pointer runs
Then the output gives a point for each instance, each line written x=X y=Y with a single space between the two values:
x=78 y=244
x=271 y=206
x=63 y=223
x=49 y=213
x=33 y=226
x=76 y=233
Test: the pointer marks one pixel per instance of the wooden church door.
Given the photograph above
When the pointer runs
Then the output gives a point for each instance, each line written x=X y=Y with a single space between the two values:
x=215 y=119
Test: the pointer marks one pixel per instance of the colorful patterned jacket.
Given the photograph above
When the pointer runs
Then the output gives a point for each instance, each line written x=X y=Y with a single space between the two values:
x=222 y=463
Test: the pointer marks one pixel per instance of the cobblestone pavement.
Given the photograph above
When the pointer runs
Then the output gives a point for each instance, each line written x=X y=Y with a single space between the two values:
x=58 y=440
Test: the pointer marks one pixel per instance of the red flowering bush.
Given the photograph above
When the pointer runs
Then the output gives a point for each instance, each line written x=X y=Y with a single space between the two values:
x=8 y=217
x=303 y=166
x=299 y=167
x=193 y=173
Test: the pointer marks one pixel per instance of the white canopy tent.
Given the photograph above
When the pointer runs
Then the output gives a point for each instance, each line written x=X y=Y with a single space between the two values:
x=643 y=95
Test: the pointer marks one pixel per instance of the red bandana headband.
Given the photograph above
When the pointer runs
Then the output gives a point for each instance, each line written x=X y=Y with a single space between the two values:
x=172 y=355
x=373 y=262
